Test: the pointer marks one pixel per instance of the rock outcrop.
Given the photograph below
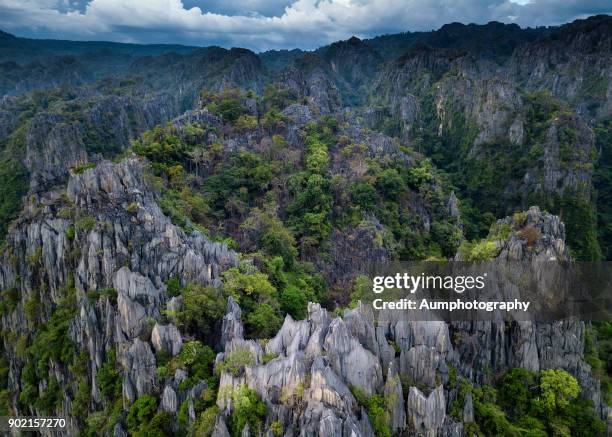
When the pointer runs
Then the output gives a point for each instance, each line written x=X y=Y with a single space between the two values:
x=426 y=414
x=116 y=263
x=323 y=364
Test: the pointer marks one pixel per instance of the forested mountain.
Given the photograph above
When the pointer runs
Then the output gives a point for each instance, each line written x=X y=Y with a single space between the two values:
x=184 y=232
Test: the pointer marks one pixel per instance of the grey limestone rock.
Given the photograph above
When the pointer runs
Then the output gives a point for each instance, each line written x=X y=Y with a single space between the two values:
x=166 y=338
x=232 y=324
x=394 y=396
x=139 y=368
x=426 y=414
x=298 y=114
x=132 y=316
x=319 y=325
x=291 y=338
x=328 y=387
x=169 y=401
x=420 y=363
x=468 y=408
x=549 y=244
x=358 y=366
x=280 y=380
x=360 y=322
x=118 y=431
x=385 y=351
x=220 y=429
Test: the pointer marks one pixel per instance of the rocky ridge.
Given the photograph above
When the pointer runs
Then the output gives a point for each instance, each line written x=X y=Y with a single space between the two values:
x=318 y=362
x=105 y=231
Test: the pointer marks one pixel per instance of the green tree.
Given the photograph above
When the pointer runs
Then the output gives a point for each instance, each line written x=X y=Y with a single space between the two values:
x=13 y=186
x=558 y=388
x=390 y=184
x=447 y=236
x=293 y=301
x=363 y=195
x=161 y=145
x=235 y=361
x=197 y=359
x=277 y=96
x=317 y=156
x=80 y=403
x=580 y=219
x=159 y=426
x=173 y=286
x=379 y=416
x=141 y=412
x=202 y=307
x=50 y=398
x=262 y=322
x=278 y=240
x=206 y=422
x=230 y=109
x=109 y=378
x=377 y=411
x=246 y=122
x=514 y=394
x=583 y=419
x=239 y=285
x=421 y=175
x=248 y=408
x=362 y=290
x=263 y=230
x=312 y=205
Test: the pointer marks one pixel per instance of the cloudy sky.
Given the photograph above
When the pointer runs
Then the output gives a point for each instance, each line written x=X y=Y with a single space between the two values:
x=267 y=24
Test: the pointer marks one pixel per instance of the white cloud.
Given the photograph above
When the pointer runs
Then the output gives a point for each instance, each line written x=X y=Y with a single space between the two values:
x=303 y=23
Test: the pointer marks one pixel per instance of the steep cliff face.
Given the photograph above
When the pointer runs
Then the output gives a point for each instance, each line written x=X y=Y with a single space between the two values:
x=402 y=82
x=310 y=81
x=573 y=62
x=496 y=114
x=535 y=237
x=470 y=106
x=55 y=131
x=507 y=141
x=531 y=111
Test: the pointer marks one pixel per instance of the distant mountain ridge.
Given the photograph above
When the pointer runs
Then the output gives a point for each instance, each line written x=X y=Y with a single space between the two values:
x=389 y=46
x=97 y=59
